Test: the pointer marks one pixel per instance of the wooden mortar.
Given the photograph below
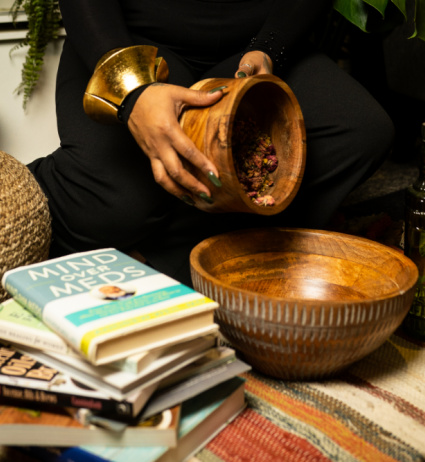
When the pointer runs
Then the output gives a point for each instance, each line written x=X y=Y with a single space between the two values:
x=273 y=106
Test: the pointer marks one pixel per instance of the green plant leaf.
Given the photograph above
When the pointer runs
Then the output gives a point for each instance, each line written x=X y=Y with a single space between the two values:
x=355 y=11
x=43 y=25
x=420 y=19
x=401 y=5
x=379 y=5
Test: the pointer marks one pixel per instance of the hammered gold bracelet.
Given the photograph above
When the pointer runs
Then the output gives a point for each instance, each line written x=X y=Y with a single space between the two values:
x=117 y=74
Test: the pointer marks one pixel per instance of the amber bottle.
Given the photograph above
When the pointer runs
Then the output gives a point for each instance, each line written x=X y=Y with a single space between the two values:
x=414 y=244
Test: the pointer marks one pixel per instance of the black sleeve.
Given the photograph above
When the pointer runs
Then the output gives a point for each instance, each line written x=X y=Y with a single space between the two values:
x=94 y=27
x=288 y=23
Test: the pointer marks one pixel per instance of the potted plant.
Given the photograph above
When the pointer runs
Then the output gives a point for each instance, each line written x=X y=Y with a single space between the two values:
x=44 y=22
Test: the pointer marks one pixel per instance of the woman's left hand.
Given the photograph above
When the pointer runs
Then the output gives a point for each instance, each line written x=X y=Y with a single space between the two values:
x=254 y=63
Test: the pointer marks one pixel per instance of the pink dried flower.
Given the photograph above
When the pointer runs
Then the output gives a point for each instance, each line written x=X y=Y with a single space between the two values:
x=254 y=158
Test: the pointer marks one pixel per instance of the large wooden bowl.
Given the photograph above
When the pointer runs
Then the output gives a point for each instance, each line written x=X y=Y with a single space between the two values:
x=268 y=101
x=302 y=304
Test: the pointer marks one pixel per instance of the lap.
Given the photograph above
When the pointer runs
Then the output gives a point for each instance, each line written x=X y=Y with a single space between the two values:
x=102 y=193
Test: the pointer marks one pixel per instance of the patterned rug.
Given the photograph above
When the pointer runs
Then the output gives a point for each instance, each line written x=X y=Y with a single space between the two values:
x=374 y=412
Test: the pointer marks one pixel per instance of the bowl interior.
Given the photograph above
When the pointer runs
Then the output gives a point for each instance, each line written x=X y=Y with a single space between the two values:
x=296 y=264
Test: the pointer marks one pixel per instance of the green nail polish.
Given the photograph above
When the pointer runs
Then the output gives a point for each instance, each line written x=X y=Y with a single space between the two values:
x=214 y=180
x=218 y=89
x=188 y=200
x=241 y=74
x=206 y=198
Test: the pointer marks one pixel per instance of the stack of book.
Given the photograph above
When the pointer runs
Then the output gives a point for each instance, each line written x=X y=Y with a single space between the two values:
x=109 y=360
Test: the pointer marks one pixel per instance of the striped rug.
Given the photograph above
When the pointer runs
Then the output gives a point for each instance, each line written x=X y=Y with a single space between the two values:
x=374 y=412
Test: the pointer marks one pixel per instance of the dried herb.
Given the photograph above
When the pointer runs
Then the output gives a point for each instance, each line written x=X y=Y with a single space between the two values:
x=254 y=157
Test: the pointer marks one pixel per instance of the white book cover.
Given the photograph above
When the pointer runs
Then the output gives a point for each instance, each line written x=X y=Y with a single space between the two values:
x=122 y=384
x=19 y=325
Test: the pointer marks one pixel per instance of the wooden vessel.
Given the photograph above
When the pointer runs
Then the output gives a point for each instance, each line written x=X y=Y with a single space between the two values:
x=300 y=303
x=273 y=106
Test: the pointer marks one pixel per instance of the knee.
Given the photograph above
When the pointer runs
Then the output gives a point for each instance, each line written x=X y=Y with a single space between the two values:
x=370 y=132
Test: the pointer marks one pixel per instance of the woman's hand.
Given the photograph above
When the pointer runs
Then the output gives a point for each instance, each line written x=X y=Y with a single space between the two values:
x=254 y=63
x=154 y=125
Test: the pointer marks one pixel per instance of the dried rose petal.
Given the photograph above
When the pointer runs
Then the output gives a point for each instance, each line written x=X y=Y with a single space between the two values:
x=254 y=158
x=264 y=200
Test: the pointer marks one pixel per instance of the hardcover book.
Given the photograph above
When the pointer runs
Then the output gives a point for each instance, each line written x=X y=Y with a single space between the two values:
x=26 y=381
x=18 y=325
x=202 y=418
x=108 y=305
x=22 y=427
x=121 y=384
x=192 y=386
x=21 y=327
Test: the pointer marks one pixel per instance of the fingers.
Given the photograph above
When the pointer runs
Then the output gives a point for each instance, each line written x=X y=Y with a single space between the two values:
x=173 y=155
x=254 y=63
x=245 y=69
x=170 y=172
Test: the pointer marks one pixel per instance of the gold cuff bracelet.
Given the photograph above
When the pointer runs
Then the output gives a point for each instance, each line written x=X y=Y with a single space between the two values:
x=117 y=74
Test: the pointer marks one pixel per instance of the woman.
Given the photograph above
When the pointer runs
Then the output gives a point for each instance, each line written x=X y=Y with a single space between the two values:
x=125 y=185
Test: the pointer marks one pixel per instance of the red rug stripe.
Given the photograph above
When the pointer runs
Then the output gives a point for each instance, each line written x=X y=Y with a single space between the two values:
x=402 y=405
x=334 y=429
x=270 y=444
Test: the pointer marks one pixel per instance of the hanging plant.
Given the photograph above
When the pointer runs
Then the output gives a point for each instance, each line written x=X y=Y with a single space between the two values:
x=44 y=21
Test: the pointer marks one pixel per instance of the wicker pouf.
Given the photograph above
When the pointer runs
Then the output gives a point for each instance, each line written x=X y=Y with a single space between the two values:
x=25 y=224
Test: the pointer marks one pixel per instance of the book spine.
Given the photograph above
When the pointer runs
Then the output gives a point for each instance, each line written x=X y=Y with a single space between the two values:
x=30 y=337
x=17 y=294
x=52 y=454
x=11 y=394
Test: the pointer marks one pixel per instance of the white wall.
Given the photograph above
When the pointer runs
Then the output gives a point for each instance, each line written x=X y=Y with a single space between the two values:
x=31 y=133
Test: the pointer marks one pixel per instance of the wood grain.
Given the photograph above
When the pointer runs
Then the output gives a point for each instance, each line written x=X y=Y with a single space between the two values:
x=273 y=106
x=303 y=303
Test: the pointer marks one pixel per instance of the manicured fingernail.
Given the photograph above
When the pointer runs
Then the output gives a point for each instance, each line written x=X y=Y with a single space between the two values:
x=241 y=74
x=218 y=89
x=188 y=200
x=206 y=198
x=214 y=180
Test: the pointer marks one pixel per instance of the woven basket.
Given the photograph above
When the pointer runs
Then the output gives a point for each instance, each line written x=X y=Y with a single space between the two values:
x=25 y=223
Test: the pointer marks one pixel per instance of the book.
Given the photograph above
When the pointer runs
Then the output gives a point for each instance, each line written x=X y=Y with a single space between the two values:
x=202 y=418
x=213 y=358
x=18 y=325
x=108 y=305
x=137 y=362
x=48 y=454
x=164 y=398
x=24 y=381
x=23 y=427
x=120 y=384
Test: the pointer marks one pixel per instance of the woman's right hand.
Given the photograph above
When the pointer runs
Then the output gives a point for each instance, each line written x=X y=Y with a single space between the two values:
x=154 y=125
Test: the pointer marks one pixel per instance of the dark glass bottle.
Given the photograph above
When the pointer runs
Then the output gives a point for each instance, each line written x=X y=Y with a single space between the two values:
x=414 y=244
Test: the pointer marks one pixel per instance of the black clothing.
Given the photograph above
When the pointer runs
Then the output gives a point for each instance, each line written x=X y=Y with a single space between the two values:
x=99 y=183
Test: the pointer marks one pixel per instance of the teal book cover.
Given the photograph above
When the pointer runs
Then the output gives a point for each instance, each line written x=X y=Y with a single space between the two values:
x=108 y=305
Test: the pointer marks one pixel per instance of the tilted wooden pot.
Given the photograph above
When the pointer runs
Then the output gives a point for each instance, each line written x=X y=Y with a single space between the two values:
x=273 y=106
